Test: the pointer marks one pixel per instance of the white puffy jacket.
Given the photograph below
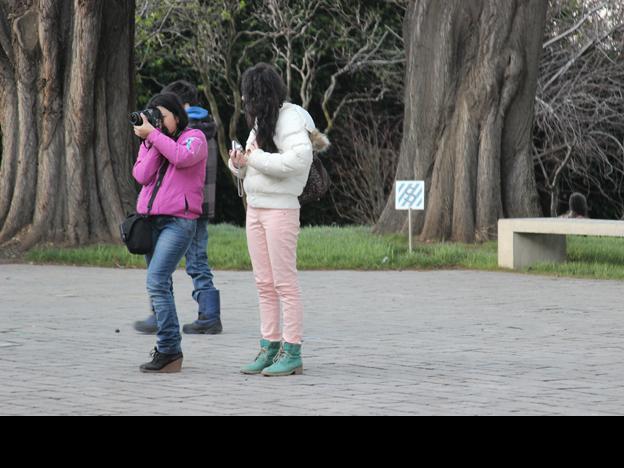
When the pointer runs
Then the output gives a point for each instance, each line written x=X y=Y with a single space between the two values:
x=276 y=181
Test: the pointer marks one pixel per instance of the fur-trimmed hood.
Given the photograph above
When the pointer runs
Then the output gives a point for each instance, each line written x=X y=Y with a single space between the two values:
x=320 y=142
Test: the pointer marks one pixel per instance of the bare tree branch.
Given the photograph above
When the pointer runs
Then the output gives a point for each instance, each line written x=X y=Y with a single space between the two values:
x=581 y=100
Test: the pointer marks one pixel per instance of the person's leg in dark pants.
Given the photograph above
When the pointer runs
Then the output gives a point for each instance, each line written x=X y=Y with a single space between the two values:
x=205 y=294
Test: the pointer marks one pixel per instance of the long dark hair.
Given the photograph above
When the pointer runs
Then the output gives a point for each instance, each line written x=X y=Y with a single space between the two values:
x=264 y=94
x=172 y=103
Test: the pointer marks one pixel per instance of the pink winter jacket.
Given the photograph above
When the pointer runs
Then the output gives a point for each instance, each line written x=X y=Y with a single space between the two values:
x=182 y=192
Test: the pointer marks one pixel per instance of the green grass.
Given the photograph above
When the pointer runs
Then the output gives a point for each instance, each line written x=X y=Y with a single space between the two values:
x=356 y=248
x=589 y=257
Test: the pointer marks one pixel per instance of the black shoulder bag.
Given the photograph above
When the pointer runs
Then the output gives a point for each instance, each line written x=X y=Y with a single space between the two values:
x=137 y=231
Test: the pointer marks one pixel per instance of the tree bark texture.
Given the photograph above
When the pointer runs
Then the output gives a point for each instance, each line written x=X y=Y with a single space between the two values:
x=66 y=87
x=470 y=90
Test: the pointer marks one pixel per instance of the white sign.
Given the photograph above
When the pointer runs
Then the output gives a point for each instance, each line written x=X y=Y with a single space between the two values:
x=410 y=195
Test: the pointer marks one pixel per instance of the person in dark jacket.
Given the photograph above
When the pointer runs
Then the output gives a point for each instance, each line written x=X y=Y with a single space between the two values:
x=197 y=266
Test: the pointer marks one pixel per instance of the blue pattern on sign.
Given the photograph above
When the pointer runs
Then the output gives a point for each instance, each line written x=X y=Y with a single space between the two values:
x=410 y=195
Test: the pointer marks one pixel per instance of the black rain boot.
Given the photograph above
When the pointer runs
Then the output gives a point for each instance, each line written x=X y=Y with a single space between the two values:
x=201 y=327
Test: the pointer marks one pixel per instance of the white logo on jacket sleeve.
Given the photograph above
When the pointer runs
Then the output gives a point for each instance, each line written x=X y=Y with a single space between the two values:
x=189 y=143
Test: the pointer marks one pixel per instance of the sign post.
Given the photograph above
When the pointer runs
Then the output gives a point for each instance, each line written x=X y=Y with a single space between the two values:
x=410 y=195
x=411 y=232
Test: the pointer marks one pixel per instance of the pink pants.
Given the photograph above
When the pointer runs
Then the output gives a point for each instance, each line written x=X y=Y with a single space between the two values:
x=272 y=236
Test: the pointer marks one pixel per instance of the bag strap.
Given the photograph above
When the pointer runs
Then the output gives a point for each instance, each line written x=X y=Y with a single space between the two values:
x=161 y=177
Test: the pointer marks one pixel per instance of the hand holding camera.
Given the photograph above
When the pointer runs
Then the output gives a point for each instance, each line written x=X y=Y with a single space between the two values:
x=146 y=122
x=237 y=155
x=144 y=130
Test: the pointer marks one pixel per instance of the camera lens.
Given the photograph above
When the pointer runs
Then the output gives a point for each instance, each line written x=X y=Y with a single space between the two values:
x=135 y=119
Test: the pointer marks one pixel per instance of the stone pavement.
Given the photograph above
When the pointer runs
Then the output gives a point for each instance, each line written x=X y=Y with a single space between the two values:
x=411 y=343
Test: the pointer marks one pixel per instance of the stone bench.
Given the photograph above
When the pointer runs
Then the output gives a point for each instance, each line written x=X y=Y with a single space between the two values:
x=525 y=242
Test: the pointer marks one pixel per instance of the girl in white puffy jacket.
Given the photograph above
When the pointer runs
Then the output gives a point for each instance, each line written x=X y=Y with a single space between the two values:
x=275 y=167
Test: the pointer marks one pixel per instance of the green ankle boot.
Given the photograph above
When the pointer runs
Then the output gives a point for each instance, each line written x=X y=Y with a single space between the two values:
x=288 y=362
x=269 y=350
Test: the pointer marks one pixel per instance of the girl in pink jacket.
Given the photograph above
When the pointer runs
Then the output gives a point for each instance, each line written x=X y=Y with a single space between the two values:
x=172 y=164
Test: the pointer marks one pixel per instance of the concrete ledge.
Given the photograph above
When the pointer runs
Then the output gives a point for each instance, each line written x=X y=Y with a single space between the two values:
x=525 y=242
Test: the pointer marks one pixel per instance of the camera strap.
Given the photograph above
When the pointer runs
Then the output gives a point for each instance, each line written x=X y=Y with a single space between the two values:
x=161 y=177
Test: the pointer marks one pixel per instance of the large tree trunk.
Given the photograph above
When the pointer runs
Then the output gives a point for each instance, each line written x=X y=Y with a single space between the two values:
x=470 y=91
x=66 y=75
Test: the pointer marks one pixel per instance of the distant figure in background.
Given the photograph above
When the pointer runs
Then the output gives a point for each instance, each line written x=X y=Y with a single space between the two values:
x=198 y=268
x=578 y=207
x=200 y=119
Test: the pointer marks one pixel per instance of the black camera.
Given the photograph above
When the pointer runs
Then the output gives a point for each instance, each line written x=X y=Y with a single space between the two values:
x=153 y=114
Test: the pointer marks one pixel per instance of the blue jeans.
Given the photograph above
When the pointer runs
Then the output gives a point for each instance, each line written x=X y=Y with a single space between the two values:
x=197 y=267
x=172 y=238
